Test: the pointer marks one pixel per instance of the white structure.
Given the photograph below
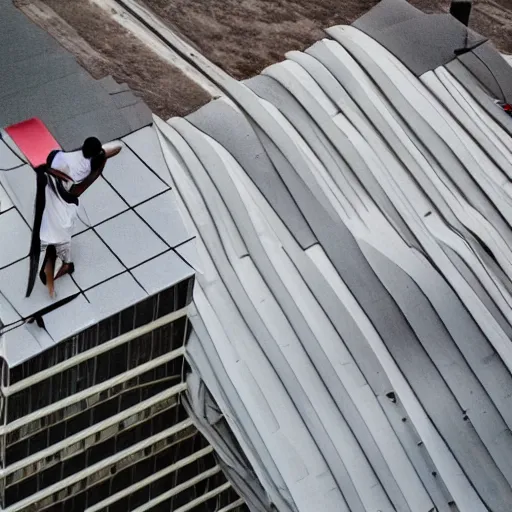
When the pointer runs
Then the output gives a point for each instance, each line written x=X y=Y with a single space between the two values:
x=352 y=207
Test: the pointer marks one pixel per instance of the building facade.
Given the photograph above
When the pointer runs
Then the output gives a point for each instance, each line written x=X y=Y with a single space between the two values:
x=96 y=422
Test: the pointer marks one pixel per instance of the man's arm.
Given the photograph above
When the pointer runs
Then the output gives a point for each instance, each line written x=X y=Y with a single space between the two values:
x=110 y=152
x=98 y=166
x=58 y=174
x=78 y=189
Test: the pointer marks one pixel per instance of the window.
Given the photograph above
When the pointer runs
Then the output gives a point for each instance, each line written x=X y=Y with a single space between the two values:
x=64 y=423
x=154 y=307
x=97 y=369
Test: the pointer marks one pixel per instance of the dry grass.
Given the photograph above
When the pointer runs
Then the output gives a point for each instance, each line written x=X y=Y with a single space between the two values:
x=494 y=20
x=241 y=36
x=244 y=36
x=164 y=88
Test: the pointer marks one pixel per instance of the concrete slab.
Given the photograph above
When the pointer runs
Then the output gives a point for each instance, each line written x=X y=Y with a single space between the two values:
x=71 y=318
x=156 y=274
x=101 y=202
x=130 y=239
x=146 y=145
x=8 y=159
x=13 y=283
x=94 y=262
x=162 y=214
x=188 y=251
x=115 y=295
x=14 y=237
x=132 y=178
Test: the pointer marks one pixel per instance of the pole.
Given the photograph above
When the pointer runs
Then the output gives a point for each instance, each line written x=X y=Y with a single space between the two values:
x=461 y=10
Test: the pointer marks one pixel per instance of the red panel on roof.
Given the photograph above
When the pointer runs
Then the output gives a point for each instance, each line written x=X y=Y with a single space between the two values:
x=34 y=140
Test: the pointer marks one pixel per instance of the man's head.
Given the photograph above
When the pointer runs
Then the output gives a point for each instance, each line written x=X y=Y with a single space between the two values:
x=91 y=148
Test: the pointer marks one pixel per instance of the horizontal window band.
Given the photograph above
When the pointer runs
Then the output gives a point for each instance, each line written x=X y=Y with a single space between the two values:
x=201 y=499
x=46 y=423
x=37 y=457
x=100 y=349
x=92 y=390
x=146 y=481
x=232 y=506
x=95 y=469
x=179 y=488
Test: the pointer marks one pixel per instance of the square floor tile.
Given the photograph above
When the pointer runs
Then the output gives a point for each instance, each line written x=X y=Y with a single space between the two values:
x=146 y=144
x=41 y=336
x=131 y=239
x=79 y=226
x=162 y=272
x=70 y=319
x=188 y=251
x=8 y=315
x=8 y=158
x=13 y=284
x=131 y=178
x=20 y=185
x=100 y=202
x=94 y=262
x=5 y=200
x=162 y=214
x=14 y=237
x=115 y=295
x=12 y=146
x=19 y=345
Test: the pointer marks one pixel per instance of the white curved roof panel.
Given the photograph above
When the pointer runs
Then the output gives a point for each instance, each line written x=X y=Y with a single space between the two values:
x=353 y=311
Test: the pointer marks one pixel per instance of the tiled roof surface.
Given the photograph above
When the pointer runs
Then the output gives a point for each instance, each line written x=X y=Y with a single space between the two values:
x=129 y=237
x=127 y=245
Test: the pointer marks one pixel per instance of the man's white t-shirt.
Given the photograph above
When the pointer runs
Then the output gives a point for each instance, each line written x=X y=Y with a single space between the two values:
x=74 y=164
x=59 y=216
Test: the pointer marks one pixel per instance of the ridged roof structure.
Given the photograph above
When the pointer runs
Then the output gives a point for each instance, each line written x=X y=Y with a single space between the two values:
x=353 y=315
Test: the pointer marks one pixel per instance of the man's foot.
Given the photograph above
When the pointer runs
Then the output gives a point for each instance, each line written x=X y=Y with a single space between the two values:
x=51 y=290
x=67 y=268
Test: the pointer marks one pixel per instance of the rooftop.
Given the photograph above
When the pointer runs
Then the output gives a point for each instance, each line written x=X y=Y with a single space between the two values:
x=353 y=213
x=130 y=241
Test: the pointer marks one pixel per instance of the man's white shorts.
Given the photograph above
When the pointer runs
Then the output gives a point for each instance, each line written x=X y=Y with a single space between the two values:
x=63 y=250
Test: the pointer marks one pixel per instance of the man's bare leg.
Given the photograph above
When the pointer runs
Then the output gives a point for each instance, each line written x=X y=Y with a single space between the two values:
x=67 y=268
x=49 y=269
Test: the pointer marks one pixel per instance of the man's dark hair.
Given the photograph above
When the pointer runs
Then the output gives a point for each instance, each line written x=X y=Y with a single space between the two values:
x=91 y=148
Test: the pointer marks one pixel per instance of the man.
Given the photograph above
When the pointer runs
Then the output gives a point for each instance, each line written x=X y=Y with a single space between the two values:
x=60 y=183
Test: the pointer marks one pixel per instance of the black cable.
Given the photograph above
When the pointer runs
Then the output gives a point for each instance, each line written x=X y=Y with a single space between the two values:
x=14 y=153
x=13 y=168
x=467 y=49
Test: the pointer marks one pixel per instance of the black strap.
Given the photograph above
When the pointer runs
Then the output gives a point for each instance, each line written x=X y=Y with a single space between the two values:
x=38 y=316
x=43 y=179
x=35 y=244
x=60 y=190
x=51 y=156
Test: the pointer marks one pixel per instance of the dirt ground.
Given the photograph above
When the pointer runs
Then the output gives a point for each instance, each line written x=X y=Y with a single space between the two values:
x=241 y=36
x=244 y=36
x=105 y=48
x=493 y=19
